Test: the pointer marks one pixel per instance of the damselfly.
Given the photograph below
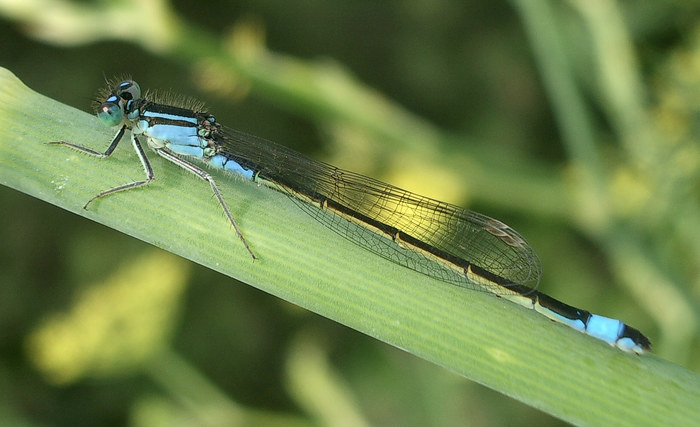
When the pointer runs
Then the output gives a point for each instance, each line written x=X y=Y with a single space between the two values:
x=438 y=239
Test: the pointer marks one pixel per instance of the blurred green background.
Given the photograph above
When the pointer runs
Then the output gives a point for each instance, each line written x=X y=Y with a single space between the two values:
x=576 y=122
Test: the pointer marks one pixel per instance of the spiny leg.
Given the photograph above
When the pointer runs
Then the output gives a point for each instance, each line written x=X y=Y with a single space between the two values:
x=146 y=167
x=207 y=177
x=115 y=141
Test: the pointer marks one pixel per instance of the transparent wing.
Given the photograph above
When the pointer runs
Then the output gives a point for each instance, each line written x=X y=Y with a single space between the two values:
x=460 y=233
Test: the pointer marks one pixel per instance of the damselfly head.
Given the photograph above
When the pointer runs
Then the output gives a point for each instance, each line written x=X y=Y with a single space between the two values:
x=112 y=101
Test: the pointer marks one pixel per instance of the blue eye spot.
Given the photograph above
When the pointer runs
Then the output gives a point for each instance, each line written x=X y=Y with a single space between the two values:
x=129 y=90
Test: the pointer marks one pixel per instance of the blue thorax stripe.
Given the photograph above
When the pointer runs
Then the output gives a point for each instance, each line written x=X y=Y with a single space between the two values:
x=165 y=114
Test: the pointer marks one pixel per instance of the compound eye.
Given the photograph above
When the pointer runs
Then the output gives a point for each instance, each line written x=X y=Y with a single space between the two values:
x=129 y=90
x=110 y=113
